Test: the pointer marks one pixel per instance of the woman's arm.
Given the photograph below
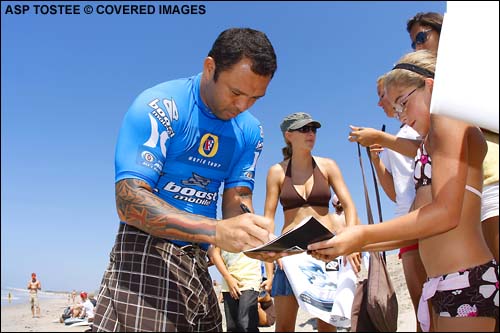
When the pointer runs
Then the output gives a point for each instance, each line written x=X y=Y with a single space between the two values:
x=273 y=191
x=336 y=181
x=447 y=145
x=388 y=246
x=274 y=178
x=368 y=136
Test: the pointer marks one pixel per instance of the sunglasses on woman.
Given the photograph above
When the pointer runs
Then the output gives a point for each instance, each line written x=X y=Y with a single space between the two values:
x=305 y=129
x=420 y=38
x=401 y=106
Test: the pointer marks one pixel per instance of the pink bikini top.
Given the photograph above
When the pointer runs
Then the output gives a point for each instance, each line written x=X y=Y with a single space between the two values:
x=422 y=174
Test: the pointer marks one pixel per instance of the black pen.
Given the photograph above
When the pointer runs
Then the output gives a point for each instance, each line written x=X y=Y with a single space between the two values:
x=244 y=208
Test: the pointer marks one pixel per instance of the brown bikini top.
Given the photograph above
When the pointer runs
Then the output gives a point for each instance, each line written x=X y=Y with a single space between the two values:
x=320 y=194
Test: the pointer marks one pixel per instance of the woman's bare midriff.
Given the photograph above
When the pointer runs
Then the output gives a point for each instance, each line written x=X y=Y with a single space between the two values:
x=295 y=215
x=455 y=249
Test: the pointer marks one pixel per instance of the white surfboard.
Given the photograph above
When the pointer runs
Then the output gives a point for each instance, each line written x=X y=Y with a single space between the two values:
x=466 y=78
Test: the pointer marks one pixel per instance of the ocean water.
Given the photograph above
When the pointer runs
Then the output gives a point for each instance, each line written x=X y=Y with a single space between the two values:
x=20 y=296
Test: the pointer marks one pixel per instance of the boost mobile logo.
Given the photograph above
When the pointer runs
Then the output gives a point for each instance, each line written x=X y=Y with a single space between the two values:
x=190 y=194
x=209 y=144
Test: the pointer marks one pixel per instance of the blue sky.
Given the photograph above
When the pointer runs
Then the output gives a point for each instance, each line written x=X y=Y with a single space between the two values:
x=67 y=81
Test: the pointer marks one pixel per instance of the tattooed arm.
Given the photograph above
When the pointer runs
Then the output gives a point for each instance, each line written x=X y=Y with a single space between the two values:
x=139 y=207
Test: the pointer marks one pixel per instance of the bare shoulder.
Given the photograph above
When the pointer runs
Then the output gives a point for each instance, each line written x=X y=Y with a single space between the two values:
x=325 y=163
x=448 y=131
x=278 y=167
x=277 y=171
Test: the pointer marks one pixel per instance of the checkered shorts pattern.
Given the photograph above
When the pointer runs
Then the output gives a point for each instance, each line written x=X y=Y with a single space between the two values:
x=153 y=285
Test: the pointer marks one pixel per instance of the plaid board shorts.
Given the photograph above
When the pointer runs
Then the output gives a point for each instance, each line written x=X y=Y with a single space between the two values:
x=156 y=286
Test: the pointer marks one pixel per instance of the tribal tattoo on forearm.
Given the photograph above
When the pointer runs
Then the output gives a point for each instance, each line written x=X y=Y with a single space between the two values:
x=139 y=207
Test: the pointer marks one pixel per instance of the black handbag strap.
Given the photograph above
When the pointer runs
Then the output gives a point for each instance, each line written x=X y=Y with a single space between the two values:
x=377 y=195
x=367 y=197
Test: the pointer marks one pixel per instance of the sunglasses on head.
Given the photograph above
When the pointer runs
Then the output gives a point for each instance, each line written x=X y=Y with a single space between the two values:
x=420 y=38
x=305 y=129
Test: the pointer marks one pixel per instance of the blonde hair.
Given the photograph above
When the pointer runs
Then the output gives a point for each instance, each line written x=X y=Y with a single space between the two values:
x=407 y=78
x=380 y=86
x=381 y=78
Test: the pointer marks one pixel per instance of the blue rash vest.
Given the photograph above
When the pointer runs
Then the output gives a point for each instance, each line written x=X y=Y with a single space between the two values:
x=170 y=139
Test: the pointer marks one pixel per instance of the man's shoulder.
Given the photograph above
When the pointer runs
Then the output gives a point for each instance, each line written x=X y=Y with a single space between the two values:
x=180 y=83
x=166 y=99
x=249 y=124
x=178 y=89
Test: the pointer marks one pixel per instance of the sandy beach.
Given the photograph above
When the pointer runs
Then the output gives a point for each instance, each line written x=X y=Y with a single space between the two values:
x=17 y=318
x=406 y=318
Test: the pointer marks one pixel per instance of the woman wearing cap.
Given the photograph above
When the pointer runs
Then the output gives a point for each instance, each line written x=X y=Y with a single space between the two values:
x=302 y=183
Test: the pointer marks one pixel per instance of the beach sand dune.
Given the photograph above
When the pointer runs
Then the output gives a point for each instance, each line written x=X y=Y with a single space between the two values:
x=17 y=318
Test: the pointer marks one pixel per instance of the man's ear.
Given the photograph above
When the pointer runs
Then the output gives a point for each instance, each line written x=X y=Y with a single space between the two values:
x=209 y=68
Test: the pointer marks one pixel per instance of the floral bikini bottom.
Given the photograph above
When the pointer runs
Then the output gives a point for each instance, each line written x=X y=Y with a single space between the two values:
x=480 y=298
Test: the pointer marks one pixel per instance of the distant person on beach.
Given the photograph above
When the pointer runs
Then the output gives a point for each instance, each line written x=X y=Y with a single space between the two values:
x=303 y=184
x=9 y=297
x=179 y=141
x=33 y=286
x=73 y=296
x=462 y=283
x=92 y=299
x=81 y=311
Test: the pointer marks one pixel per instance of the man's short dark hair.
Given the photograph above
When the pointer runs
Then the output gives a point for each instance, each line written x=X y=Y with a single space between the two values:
x=430 y=19
x=234 y=44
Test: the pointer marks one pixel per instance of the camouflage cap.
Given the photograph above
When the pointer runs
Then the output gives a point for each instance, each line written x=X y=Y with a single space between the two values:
x=297 y=120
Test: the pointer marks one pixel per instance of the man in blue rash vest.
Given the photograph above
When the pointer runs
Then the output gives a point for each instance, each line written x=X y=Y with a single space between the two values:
x=179 y=141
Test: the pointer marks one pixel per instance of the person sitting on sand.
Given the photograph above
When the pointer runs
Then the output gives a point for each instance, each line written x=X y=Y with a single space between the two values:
x=82 y=311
